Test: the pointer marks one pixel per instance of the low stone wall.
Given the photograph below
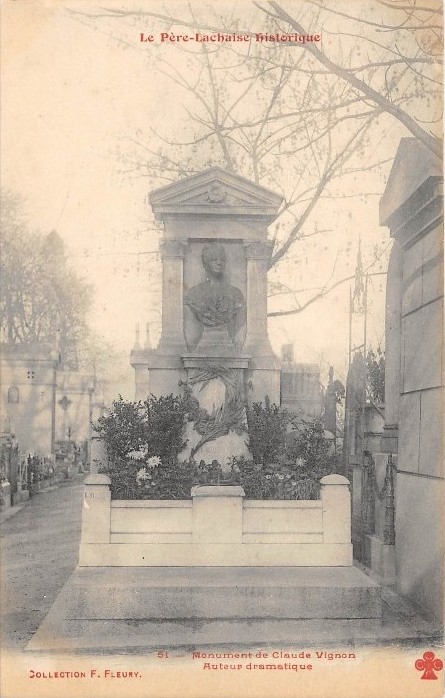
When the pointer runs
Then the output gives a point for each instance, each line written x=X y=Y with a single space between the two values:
x=217 y=527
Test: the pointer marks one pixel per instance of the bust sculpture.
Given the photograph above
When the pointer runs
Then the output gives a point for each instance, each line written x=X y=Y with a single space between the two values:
x=214 y=303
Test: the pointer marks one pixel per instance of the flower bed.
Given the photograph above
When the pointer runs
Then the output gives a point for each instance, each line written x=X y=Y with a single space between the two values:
x=143 y=442
x=147 y=478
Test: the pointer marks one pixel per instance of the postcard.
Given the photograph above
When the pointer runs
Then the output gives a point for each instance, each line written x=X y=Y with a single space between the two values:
x=221 y=342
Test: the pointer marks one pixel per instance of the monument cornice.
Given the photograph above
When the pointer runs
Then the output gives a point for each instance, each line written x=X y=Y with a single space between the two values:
x=412 y=204
x=196 y=360
x=173 y=248
x=173 y=212
x=140 y=357
x=414 y=164
x=422 y=211
x=215 y=192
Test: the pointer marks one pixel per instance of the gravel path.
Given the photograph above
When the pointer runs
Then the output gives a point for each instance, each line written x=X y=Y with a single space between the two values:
x=39 y=550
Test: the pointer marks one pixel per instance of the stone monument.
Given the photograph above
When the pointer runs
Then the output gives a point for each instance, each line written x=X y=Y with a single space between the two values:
x=214 y=343
x=216 y=568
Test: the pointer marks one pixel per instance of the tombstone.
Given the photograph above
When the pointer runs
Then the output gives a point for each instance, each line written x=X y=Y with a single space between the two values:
x=335 y=390
x=214 y=343
x=300 y=386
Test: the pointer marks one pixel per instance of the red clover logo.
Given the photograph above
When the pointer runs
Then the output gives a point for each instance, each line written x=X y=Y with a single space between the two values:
x=429 y=664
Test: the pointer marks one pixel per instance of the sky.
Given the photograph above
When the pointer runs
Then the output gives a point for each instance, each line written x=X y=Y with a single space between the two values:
x=72 y=96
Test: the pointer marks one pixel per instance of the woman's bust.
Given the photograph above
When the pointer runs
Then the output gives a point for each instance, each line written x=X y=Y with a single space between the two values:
x=214 y=302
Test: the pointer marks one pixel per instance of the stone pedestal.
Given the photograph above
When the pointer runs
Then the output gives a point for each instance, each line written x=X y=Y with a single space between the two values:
x=96 y=510
x=382 y=559
x=217 y=514
x=336 y=498
x=218 y=385
x=99 y=458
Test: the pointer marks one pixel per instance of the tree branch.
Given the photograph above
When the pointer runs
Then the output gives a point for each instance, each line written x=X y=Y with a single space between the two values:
x=433 y=144
x=323 y=293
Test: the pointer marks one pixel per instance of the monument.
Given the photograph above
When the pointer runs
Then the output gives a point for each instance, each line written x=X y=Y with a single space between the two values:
x=218 y=567
x=214 y=343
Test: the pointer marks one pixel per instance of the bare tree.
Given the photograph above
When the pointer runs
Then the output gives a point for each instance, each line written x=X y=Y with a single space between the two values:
x=291 y=115
x=41 y=297
x=387 y=97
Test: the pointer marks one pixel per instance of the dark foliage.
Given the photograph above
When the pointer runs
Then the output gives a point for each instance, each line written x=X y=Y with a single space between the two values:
x=375 y=375
x=156 y=426
x=309 y=444
x=267 y=426
x=144 y=440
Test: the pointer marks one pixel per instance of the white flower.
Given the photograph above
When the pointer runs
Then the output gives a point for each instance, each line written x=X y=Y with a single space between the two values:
x=300 y=462
x=142 y=475
x=137 y=455
x=153 y=462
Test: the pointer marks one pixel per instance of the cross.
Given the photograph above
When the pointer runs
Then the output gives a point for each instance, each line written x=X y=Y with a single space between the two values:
x=64 y=403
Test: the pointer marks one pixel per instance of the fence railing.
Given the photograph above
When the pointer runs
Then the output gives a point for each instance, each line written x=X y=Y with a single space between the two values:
x=372 y=492
x=22 y=474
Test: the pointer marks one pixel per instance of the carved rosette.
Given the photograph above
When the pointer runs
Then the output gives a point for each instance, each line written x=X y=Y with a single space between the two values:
x=216 y=193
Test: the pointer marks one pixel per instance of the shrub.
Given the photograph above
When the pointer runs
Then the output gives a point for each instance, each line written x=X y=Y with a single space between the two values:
x=122 y=430
x=156 y=426
x=165 y=419
x=267 y=427
x=144 y=440
x=309 y=445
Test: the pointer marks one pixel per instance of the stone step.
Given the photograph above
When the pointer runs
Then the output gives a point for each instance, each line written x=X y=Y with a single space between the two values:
x=137 y=607
x=141 y=635
x=156 y=593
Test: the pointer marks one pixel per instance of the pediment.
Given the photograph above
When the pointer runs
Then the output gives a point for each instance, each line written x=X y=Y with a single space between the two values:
x=215 y=191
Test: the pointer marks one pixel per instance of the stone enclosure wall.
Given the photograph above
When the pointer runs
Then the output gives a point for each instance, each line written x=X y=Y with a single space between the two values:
x=412 y=208
x=217 y=527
